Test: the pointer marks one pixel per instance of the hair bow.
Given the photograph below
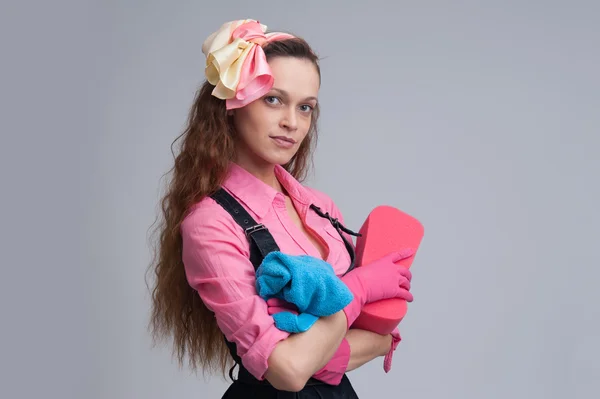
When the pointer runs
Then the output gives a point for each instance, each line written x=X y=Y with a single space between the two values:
x=236 y=63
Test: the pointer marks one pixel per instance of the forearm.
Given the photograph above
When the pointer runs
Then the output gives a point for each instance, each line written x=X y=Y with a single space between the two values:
x=295 y=359
x=366 y=346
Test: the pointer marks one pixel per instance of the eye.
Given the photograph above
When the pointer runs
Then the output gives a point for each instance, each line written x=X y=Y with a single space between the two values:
x=272 y=100
x=306 y=108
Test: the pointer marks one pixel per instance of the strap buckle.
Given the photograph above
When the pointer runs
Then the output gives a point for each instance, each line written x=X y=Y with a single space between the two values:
x=253 y=229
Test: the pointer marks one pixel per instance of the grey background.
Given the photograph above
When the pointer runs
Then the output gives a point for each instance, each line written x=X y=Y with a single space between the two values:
x=481 y=118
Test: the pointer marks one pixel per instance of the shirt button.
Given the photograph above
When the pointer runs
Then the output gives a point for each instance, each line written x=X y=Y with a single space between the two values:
x=279 y=201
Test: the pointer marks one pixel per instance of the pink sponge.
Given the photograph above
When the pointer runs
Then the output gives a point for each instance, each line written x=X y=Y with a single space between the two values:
x=386 y=230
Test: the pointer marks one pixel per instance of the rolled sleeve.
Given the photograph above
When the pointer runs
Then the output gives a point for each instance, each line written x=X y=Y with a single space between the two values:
x=333 y=372
x=387 y=360
x=217 y=266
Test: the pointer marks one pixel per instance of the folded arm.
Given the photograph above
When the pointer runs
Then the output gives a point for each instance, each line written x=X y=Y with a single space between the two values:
x=216 y=259
x=366 y=346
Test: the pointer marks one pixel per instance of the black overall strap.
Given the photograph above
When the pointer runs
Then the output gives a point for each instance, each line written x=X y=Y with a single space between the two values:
x=261 y=241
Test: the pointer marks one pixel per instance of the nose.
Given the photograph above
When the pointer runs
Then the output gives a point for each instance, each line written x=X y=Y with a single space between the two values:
x=289 y=119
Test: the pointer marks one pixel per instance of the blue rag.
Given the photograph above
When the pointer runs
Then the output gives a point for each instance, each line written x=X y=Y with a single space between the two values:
x=305 y=281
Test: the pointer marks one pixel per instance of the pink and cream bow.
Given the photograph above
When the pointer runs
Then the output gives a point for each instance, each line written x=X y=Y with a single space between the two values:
x=236 y=63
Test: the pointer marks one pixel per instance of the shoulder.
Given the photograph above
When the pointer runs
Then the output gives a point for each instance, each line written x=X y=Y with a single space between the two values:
x=209 y=220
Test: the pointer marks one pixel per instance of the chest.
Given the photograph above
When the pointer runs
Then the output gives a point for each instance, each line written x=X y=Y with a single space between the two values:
x=312 y=237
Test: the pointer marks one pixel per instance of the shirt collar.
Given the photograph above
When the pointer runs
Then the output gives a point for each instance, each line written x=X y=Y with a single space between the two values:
x=259 y=196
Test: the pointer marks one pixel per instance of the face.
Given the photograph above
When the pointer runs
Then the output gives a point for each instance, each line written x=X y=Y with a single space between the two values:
x=271 y=129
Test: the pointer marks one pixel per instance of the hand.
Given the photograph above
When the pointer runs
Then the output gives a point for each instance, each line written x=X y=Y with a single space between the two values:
x=276 y=305
x=287 y=317
x=381 y=279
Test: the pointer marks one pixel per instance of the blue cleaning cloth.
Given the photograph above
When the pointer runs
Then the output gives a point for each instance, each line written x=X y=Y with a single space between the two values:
x=305 y=281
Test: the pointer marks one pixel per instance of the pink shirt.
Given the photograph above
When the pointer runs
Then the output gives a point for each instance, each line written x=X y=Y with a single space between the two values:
x=216 y=257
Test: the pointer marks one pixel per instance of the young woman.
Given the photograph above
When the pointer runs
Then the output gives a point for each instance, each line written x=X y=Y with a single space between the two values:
x=235 y=195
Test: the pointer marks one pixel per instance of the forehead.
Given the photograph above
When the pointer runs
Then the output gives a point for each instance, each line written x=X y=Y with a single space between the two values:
x=298 y=77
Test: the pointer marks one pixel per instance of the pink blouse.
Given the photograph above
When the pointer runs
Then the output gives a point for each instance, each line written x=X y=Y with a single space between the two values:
x=216 y=258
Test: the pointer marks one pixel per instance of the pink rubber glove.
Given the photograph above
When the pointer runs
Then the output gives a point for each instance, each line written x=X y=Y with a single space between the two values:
x=276 y=305
x=381 y=279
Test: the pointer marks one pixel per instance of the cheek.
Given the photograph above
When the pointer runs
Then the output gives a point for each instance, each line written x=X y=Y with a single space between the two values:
x=255 y=123
x=306 y=125
x=245 y=126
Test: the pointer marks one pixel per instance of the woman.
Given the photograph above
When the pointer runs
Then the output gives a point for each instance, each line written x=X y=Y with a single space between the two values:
x=236 y=195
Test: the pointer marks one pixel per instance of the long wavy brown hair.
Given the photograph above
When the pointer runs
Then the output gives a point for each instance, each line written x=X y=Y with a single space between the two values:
x=207 y=145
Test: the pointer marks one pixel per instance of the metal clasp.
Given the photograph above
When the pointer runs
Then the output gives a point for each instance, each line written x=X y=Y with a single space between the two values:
x=253 y=229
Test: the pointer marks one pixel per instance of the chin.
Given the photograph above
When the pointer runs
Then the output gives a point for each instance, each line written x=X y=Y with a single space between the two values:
x=278 y=159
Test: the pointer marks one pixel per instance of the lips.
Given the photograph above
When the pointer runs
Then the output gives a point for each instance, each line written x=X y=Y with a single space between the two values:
x=286 y=139
x=283 y=142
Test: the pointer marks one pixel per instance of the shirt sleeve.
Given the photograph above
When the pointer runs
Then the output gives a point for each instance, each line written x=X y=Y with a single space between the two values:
x=216 y=259
x=333 y=372
x=387 y=360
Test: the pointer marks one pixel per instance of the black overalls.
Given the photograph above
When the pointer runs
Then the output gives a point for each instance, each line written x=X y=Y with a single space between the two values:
x=261 y=243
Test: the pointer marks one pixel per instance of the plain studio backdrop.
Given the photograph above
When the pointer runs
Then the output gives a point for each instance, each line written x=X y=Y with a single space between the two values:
x=480 y=118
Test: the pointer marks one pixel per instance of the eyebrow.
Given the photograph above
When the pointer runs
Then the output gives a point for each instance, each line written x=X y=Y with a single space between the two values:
x=286 y=94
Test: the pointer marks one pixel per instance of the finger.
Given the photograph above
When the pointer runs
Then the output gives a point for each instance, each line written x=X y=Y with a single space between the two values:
x=405 y=272
x=407 y=296
x=271 y=310
x=276 y=302
x=404 y=284
x=280 y=303
x=275 y=309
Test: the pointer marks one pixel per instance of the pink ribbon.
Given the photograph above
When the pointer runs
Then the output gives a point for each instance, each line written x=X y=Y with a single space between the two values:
x=256 y=78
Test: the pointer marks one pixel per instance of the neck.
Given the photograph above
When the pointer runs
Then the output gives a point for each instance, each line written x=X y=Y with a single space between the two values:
x=264 y=172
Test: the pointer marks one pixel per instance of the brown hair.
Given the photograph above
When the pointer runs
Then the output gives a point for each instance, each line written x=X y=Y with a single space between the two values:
x=207 y=147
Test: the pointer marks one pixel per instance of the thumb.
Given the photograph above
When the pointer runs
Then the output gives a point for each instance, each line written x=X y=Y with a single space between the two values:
x=403 y=254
